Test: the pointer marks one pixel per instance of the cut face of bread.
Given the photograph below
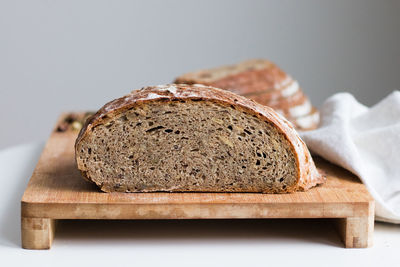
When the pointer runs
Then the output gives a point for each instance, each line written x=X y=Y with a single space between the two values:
x=262 y=81
x=192 y=138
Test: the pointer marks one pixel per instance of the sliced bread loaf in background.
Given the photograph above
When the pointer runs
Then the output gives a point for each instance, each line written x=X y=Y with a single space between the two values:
x=264 y=82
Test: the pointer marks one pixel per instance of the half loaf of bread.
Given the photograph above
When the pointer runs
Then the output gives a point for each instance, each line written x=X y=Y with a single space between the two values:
x=192 y=138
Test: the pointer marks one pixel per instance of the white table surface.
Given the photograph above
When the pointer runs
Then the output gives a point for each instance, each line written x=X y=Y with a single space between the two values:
x=178 y=243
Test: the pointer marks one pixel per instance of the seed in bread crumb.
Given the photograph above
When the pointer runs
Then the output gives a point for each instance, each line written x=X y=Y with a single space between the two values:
x=226 y=141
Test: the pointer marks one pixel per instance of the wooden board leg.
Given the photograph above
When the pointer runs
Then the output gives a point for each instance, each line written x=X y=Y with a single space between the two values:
x=37 y=233
x=356 y=232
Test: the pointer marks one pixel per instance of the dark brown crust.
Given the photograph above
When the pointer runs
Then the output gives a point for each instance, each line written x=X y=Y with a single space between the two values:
x=308 y=175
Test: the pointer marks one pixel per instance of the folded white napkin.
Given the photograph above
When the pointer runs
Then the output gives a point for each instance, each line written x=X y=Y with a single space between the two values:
x=365 y=141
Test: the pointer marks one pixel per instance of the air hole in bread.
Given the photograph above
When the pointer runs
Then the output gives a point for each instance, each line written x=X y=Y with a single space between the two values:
x=154 y=129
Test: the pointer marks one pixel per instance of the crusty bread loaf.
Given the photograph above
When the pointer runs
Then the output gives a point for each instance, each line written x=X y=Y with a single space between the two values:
x=192 y=138
x=264 y=82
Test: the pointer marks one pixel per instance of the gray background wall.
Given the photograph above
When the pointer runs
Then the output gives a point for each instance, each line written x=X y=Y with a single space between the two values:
x=76 y=55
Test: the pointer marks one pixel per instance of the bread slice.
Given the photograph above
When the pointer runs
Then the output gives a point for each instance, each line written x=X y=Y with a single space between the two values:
x=262 y=81
x=196 y=138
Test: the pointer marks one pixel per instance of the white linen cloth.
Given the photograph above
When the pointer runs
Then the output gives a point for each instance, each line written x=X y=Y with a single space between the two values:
x=365 y=141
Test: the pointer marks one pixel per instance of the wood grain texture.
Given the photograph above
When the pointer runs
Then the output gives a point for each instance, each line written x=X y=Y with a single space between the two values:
x=57 y=191
x=37 y=233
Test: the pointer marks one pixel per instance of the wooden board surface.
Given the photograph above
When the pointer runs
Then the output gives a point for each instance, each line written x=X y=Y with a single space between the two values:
x=57 y=191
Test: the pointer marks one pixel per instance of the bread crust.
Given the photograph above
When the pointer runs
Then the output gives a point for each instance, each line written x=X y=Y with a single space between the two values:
x=308 y=174
x=309 y=121
x=246 y=78
x=257 y=79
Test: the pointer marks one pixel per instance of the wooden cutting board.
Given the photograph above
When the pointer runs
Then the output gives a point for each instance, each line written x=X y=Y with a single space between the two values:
x=56 y=190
